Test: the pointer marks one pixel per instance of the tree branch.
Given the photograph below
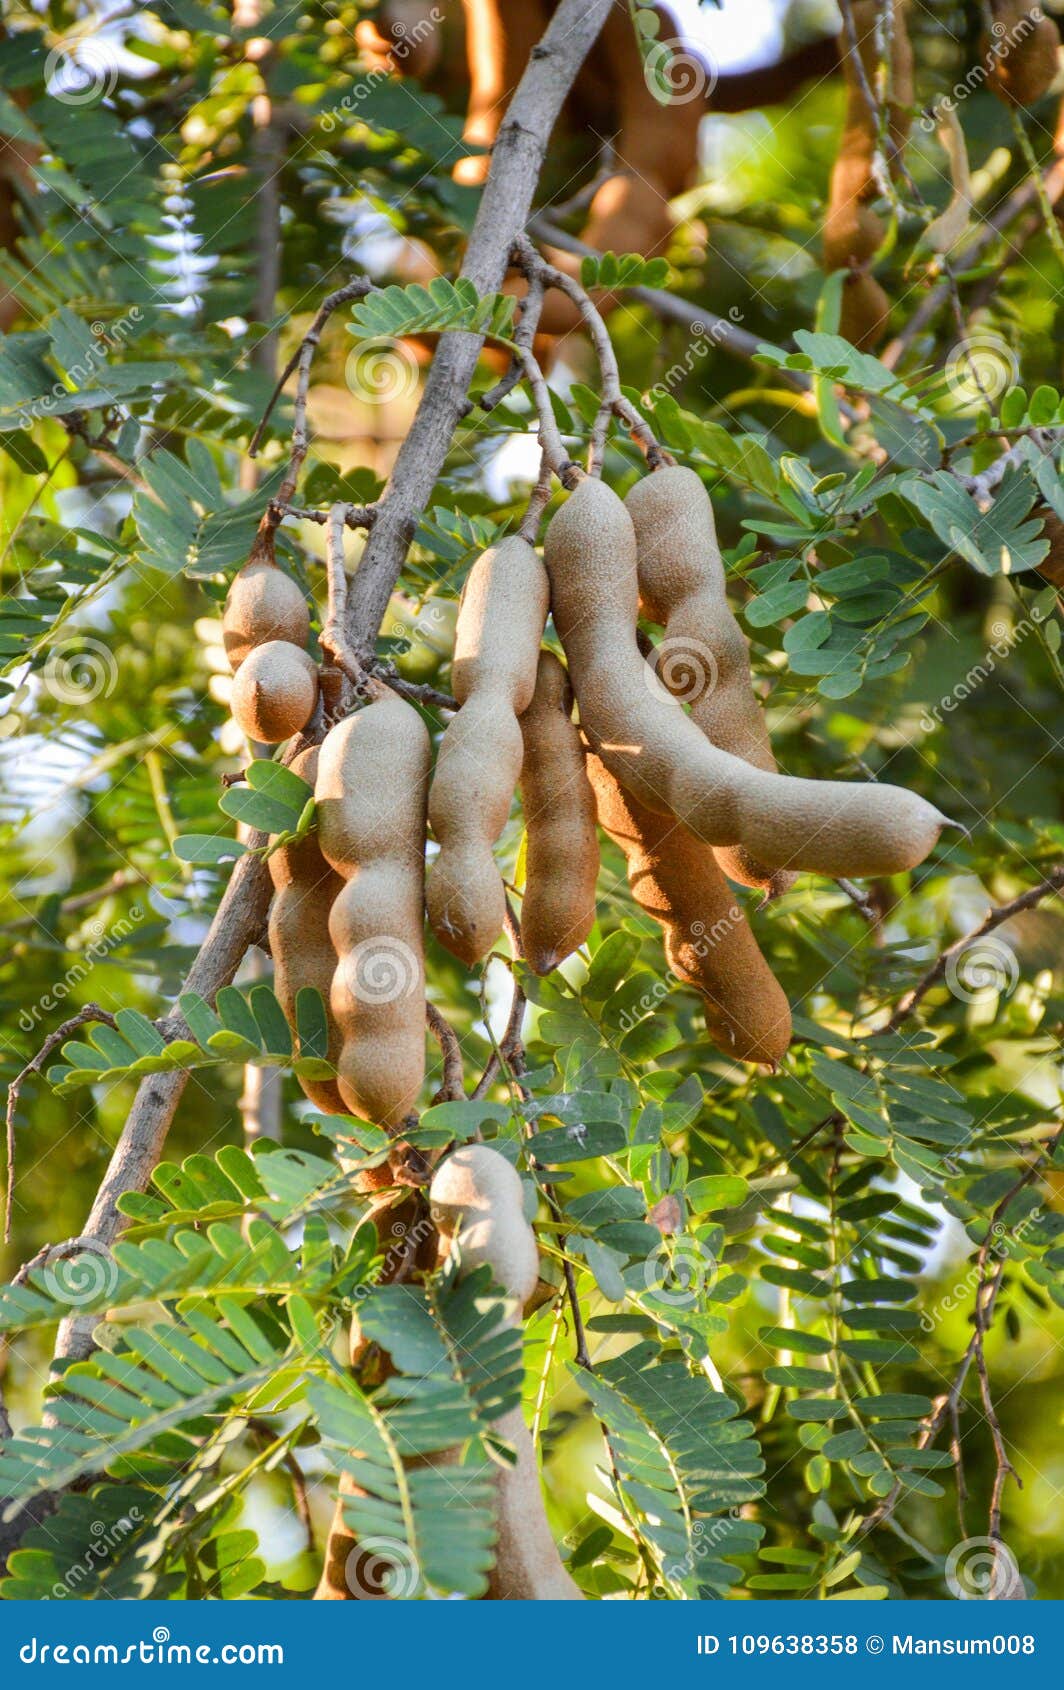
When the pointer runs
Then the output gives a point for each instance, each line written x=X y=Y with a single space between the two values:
x=516 y=162
x=1053 y=883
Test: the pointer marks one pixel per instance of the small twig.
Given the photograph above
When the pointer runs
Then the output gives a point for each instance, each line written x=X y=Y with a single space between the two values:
x=1053 y=883
x=416 y=692
x=581 y=200
x=118 y=882
x=1050 y=184
x=987 y=1291
x=982 y=487
x=509 y=1049
x=524 y=336
x=516 y=1062
x=729 y=336
x=333 y=637
x=533 y=264
x=537 y=504
x=91 y=1012
x=860 y=900
x=299 y=365
x=453 y=1088
x=358 y=517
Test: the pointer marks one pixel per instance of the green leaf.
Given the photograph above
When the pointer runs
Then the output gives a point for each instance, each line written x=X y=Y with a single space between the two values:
x=207 y=849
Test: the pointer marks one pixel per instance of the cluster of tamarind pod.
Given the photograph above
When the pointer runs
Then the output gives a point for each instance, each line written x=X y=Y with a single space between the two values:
x=690 y=798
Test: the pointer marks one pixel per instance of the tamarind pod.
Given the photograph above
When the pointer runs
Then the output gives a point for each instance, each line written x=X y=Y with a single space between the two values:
x=708 y=941
x=500 y=36
x=478 y=1204
x=408 y=1242
x=704 y=659
x=662 y=757
x=1052 y=566
x=1023 y=52
x=371 y=790
x=500 y=622
x=274 y=691
x=404 y=37
x=305 y=888
x=263 y=603
x=561 y=855
x=853 y=232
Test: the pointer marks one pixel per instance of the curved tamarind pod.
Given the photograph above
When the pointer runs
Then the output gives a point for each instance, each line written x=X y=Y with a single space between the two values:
x=1024 y=51
x=262 y=604
x=708 y=940
x=305 y=888
x=704 y=659
x=371 y=789
x=477 y=1203
x=500 y=622
x=853 y=232
x=661 y=756
x=562 y=854
x=274 y=691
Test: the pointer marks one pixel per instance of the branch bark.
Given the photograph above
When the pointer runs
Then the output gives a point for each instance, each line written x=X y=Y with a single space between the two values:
x=238 y=920
x=516 y=162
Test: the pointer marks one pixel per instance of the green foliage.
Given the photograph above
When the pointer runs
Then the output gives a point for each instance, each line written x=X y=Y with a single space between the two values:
x=392 y=312
x=242 y=1028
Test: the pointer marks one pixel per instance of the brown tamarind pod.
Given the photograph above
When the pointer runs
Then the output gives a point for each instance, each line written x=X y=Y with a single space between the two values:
x=500 y=36
x=274 y=691
x=263 y=603
x=305 y=888
x=562 y=854
x=704 y=659
x=1022 y=50
x=662 y=757
x=500 y=623
x=1052 y=566
x=853 y=231
x=708 y=940
x=371 y=794
x=477 y=1202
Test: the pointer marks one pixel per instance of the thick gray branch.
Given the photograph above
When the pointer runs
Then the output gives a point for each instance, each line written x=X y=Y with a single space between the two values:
x=516 y=163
